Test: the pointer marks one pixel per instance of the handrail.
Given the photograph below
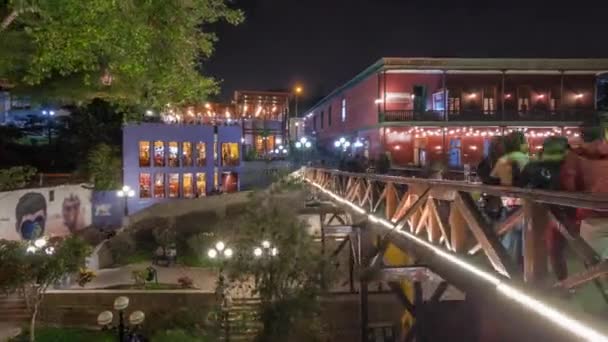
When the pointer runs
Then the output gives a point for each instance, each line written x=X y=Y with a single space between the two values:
x=570 y=199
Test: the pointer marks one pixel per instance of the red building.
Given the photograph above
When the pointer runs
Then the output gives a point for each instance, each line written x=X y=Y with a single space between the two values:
x=422 y=110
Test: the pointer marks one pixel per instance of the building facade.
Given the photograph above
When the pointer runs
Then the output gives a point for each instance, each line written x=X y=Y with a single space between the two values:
x=425 y=110
x=264 y=119
x=172 y=161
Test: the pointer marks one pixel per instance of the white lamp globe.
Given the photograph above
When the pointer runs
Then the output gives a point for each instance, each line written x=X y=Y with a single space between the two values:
x=257 y=252
x=308 y=144
x=220 y=246
x=212 y=253
x=228 y=252
x=266 y=244
x=342 y=140
x=303 y=140
x=39 y=243
x=337 y=143
x=298 y=145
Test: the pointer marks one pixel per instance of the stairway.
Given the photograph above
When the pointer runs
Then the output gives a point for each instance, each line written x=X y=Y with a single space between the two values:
x=13 y=308
x=243 y=320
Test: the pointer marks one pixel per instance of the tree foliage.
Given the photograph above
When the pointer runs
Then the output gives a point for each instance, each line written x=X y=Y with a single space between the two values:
x=128 y=51
x=34 y=272
x=16 y=177
x=289 y=283
x=104 y=166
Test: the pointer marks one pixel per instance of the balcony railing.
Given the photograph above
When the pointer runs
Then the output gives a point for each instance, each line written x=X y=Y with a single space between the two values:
x=479 y=115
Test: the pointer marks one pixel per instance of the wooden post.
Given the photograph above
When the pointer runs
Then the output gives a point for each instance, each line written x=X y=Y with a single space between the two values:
x=363 y=309
x=458 y=233
x=535 y=250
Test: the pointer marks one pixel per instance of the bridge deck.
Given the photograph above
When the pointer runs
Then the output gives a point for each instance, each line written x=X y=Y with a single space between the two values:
x=441 y=224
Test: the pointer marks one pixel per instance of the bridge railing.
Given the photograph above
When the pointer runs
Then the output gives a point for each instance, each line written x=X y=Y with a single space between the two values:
x=446 y=214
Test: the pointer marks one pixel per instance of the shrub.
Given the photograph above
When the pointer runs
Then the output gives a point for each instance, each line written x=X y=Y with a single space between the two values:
x=164 y=236
x=139 y=277
x=194 y=223
x=121 y=247
x=16 y=177
x=143 y=232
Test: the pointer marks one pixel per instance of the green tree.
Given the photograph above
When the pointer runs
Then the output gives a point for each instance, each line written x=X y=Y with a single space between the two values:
x=33 y=271
x=129 y=51
x=288 y=283
x=16 y=177
x=104 y=166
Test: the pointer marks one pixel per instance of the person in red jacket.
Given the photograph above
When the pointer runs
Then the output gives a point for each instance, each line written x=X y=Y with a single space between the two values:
x=584 y=170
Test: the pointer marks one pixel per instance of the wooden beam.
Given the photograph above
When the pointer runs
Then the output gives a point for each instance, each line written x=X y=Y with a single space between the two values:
x=439 y=291
x=391 y=200
x=535 y=248
x=422 y=221
x=458 y=229
x=398 y=291
x=338 y=230
x=445 y=233
x=504 y=227
x=396 y=273
x=592 y=273
x=409 y=212
x=485 y=235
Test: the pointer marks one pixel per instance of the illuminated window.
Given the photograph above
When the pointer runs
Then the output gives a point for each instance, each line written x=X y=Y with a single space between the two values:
x=201 y=154
x=186 y=154
x=201 y=185
x=343 y=113
x=173 y=159
x=159 y=185
x=173 y=179
x=144 y=185
x=144 y=153
x=230 y=154
x=188 y=186
x=159 y=153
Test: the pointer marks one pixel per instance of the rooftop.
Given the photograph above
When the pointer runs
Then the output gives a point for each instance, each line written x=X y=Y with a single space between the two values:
x=593 y=66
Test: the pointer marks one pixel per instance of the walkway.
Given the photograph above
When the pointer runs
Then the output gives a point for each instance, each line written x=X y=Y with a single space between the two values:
x=9 y=330
x=203 y=278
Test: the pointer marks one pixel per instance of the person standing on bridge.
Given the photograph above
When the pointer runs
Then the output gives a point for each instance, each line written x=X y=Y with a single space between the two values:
x=508 y=169
x=585 y=170
x=545 y=173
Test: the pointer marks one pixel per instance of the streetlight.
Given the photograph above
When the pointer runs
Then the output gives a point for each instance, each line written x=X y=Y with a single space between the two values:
x=342 y=143
x=221 y=252
x=125 y=193
x=265 y=249
x=297 y=90
x=136 y=318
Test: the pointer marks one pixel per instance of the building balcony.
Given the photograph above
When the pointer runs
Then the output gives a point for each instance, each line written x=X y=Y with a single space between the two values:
x=573 y=115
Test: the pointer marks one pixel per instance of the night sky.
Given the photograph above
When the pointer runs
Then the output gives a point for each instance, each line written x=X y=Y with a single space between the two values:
x=324 y=43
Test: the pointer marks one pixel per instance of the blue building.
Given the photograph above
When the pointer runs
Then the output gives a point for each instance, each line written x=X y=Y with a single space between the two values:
x=174 y=161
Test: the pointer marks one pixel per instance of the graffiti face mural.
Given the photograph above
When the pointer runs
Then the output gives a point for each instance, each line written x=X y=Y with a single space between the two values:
x=30 y=214
x=59 y=211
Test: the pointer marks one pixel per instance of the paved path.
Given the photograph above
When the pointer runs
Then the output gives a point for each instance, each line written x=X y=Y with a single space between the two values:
x=8 y=330
x=203 y=278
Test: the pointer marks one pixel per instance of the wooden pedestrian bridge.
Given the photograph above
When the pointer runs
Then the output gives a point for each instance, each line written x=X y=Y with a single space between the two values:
x=426 y=227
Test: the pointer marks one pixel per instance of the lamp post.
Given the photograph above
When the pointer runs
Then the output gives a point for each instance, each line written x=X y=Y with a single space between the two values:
x=222 y=253
x=304 y=144
x=136 y=318
x=126 y=192
x=297 y=90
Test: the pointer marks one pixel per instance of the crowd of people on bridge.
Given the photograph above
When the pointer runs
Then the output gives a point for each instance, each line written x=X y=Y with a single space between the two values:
x=558 y=166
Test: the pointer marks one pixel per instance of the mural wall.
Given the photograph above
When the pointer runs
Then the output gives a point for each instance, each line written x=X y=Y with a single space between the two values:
x=57 y=211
